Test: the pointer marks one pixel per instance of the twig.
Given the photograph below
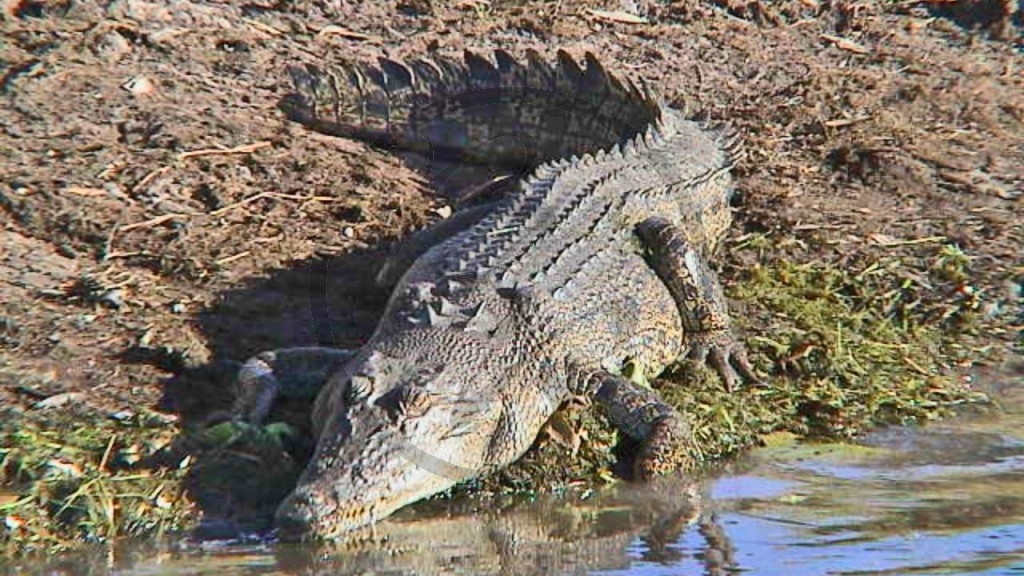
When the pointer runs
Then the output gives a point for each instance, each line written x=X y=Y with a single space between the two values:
x=106 y=453
x=149 y=178
x=915 y=366
x=152 y=222
x=129 y=254
x=841 y=122
x=265 y=28
x=846 y=44
x=230 y=259
x=620 y=16
x=244 y=149
x=85 y=191
x=334 y=29
x=893 y=242
x=262 y=195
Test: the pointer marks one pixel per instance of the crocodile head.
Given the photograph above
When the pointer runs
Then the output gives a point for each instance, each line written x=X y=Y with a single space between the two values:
x=395 y=432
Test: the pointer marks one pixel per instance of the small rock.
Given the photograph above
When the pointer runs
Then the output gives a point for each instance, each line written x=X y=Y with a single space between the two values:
x=128 y=456
x=348 y=232
x=122 y=415
x=115 y=191
x=58 y=400
x=58 y=467
x=139 y=86
x=84 y=320
x=113 y=45
x=113 y=298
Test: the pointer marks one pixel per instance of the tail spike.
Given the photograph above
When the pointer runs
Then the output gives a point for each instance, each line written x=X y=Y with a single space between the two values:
x=540 y=68
x=569 y=71
x=427 y=74
x=481 y=71
x=506 y=63
x=397 y=76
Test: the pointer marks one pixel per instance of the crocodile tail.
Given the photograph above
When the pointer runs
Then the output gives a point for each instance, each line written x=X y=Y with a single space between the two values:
x=505 y=112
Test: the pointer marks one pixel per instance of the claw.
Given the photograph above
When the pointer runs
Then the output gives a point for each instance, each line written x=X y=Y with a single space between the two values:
x=727 y=357
x=746 y=367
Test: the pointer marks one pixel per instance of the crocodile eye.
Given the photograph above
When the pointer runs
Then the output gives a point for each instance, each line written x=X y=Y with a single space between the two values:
x=359 y=388
x=412 y=402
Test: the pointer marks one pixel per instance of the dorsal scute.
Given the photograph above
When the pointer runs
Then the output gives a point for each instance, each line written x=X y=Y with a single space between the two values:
x=397 y=75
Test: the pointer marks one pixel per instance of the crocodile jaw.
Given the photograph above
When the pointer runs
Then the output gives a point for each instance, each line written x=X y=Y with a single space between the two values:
x=314 y=511
x=366 y=467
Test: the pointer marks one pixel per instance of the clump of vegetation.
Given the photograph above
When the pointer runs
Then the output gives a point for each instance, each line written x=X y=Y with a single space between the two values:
x=85 y=477
x=75 y=476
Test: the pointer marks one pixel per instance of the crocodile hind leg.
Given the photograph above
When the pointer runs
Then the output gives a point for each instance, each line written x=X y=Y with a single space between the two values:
x=295 y=373
x=699 y=298
x=666 y=440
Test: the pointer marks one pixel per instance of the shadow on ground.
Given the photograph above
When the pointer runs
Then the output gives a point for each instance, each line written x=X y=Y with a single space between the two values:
x=239 y=473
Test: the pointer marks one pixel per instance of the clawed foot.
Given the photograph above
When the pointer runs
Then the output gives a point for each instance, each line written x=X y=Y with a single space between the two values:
x=727 y=356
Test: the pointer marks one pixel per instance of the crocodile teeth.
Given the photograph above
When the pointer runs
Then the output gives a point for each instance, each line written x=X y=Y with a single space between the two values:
x=508 y=279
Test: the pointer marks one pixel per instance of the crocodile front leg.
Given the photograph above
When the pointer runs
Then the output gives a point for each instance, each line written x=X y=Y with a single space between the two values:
x=707 y=329
x=638 y=412
x=296 y=373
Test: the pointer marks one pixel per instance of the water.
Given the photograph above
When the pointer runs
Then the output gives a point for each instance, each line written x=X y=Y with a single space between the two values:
x=944 y=499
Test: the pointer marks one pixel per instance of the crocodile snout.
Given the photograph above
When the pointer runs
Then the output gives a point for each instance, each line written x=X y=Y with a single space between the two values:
x=303 y=516
x=293 y=524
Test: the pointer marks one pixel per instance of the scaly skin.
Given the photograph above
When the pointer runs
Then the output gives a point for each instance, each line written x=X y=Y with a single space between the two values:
x=597 y=258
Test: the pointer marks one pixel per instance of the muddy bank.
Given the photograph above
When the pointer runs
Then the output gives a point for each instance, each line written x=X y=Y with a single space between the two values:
x=162 y=221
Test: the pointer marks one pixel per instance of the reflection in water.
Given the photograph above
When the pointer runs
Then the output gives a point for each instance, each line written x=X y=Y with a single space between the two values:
x=945 y=499
x=610 y=530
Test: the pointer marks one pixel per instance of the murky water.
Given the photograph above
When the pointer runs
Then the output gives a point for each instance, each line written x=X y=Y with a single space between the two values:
x=945 y=499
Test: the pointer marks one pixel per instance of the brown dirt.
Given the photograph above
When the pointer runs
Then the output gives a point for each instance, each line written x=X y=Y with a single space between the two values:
x=161 y=219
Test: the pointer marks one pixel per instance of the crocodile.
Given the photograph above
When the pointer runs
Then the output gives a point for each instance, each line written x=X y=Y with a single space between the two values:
x=596 y=259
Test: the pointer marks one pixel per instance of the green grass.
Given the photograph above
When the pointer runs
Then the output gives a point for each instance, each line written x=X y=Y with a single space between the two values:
x=81 y=477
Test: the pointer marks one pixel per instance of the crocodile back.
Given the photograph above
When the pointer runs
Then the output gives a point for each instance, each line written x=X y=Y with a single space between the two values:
x=559 y=257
